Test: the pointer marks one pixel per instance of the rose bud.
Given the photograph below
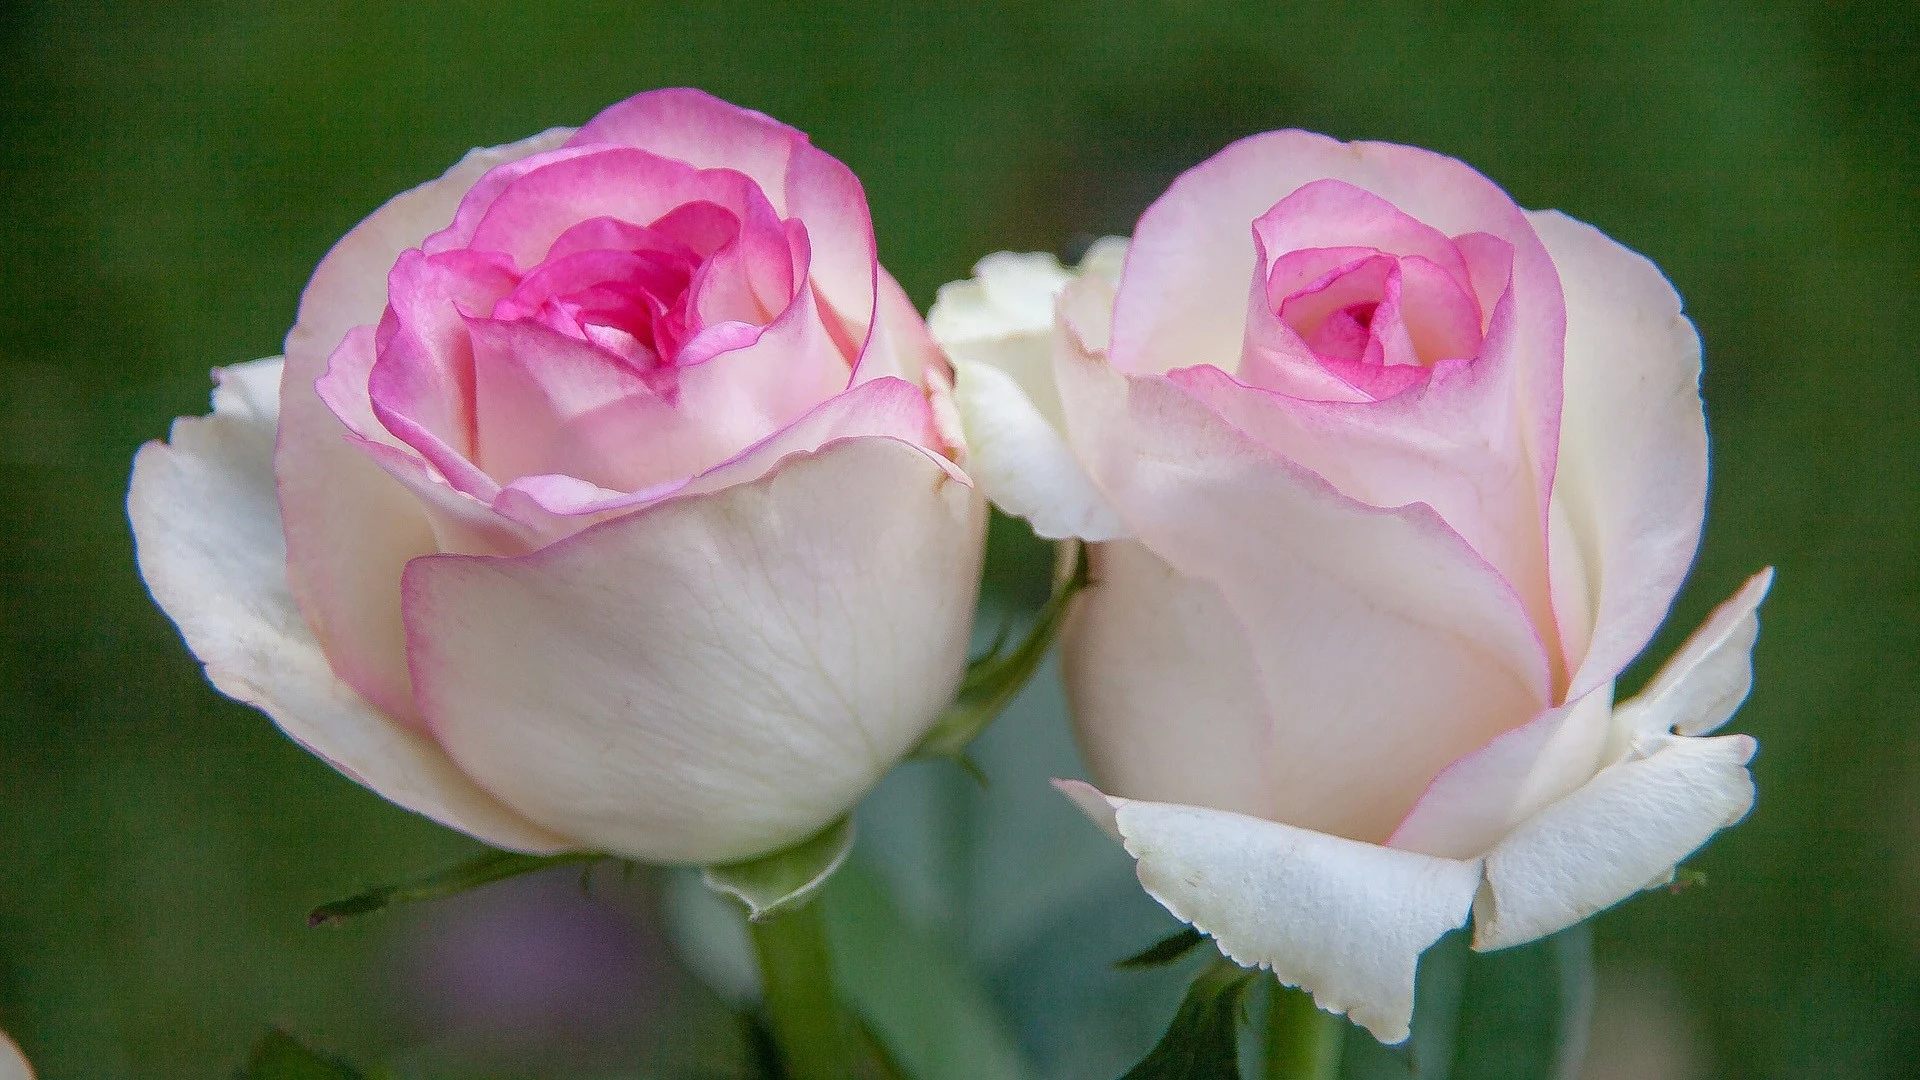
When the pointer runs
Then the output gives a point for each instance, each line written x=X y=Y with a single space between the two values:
x=599 y=502
x=1390 y=480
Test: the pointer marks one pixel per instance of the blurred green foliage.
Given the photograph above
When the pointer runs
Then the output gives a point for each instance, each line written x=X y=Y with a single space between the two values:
x=172 y=172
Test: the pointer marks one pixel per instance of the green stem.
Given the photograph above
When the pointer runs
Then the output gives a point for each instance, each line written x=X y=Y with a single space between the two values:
x=796 y=969
x=1303 y=1043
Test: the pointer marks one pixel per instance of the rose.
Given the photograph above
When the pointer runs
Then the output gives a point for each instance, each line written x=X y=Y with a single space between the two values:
x=614 y=507
x=1363 y=584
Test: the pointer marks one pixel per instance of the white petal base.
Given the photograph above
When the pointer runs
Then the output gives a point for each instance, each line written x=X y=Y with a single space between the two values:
x=1664 y=793
x=1344 y=920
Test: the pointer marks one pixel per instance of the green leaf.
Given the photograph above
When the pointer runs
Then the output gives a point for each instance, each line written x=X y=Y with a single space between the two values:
x=279 y=1056
x=1164 y=951
x=1202 y=1043
x=788 y=877
x=994 y=680
x=483 y=869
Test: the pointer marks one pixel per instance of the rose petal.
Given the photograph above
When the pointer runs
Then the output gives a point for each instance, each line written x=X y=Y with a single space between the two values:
x=1202 y=738
x=1663 y=797
x=998 y=329
x=1478 y=799
x=703 y=131
x=1700 y=687
x=549 y=403
x=802 y=181
x=900 y=346
x=349 y=287
x=1633 y=472
x=349 y=530
x=1487 y=431
x=1332 y=213
x=792 y=365
x=618 y=182
x=1003 y=317
x=1343 y=920
x=1184 y=290
x=1622 y=832
x=1417 y=652
x=893 y=408
x=797 y=675
x=1023 y=463
x=207 y=535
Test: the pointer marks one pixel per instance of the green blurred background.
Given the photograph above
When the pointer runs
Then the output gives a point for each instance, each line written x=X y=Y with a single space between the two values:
x=171 y=173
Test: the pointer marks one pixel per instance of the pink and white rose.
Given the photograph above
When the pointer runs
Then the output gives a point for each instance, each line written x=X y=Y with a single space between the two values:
x=1389 y=479
x=601 y=499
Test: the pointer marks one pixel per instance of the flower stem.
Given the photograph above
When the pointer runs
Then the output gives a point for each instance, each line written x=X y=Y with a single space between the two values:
x=1303 y=1043
x=796 y=969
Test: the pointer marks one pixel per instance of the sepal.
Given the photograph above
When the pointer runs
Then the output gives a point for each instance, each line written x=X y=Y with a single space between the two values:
x=787 y=878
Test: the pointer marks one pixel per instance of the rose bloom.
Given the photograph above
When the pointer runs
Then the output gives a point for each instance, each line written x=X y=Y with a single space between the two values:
x=600 y=501
x=1389 y=480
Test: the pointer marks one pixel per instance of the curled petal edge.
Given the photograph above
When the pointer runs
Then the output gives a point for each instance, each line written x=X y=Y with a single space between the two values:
x=207 y=535
x=1668 y=790
x=1344 y=920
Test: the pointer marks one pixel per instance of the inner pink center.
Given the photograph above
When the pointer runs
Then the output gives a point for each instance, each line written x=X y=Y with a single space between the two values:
x=626 y=288
x=1353 y=300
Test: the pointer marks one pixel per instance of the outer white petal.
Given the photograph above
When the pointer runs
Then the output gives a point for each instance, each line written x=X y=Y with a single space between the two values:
x=1344 y=920
x=1009 y=297
x=1665 y=795
x=13 y=1063
x=997 y=328
x=714 y=677
x=1631 y=486
x=1623 y=831
x=1700 y=687
x=1023 y=462
x=207 y=535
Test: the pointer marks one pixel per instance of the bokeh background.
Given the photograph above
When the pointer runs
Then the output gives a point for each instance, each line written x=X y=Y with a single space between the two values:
x=171 y=172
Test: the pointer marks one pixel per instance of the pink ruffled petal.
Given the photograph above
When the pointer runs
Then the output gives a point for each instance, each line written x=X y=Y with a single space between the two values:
x=703 y=131
x=746 y=393
x=801 y=181
x=561 y=505
x=1334 y=213
x=549 y=403
x=631 y=185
